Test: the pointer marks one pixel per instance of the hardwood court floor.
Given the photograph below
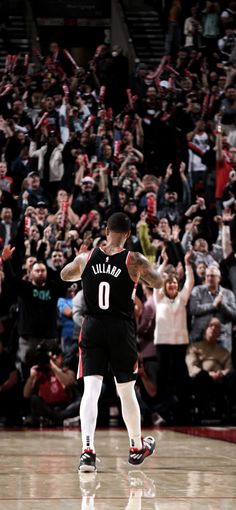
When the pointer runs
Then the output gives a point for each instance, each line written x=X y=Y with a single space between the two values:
x=38 y=470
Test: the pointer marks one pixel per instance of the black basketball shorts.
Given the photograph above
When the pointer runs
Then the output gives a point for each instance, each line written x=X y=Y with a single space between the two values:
x=108 y=341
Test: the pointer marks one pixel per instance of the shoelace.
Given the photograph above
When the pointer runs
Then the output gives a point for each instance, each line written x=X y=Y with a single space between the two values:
x=147 y=443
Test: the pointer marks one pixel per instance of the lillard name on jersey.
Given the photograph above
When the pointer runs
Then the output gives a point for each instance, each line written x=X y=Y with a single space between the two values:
x=108 y=269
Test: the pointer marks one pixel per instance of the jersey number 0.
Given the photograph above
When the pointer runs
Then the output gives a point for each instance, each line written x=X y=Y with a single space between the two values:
x=104 y=295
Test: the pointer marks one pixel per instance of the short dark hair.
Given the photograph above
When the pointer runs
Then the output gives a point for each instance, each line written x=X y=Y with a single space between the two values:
x=39 y=262
x=119 y=222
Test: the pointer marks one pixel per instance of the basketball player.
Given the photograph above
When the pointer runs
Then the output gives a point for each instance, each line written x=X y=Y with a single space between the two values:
x=109 y=278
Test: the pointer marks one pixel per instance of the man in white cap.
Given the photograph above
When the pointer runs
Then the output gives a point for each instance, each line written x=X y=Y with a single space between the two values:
x=88 y=196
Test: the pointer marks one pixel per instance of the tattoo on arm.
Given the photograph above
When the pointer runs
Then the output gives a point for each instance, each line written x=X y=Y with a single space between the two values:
x=140 y=267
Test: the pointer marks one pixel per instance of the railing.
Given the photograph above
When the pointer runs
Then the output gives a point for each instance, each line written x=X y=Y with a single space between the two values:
x=31 y=27
x=120 y=33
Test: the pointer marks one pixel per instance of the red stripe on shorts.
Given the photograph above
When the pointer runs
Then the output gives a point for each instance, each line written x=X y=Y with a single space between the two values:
x=80 y=366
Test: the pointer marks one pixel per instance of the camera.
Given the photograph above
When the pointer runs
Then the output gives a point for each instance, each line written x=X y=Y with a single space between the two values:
x=42 y=358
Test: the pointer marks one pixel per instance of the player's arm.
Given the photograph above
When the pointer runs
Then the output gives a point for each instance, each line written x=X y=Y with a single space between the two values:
x=140 y=268
x=73 y=271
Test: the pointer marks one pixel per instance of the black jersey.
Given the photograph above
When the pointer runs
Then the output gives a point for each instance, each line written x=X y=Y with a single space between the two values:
x=107 y=286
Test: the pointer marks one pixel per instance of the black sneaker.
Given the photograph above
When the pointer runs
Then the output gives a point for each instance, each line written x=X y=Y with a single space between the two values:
x=87 y=461
x=138 y=456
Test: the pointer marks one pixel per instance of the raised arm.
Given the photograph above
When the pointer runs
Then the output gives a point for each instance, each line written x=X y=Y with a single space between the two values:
x=73 y=271
x=226 y=237
x=219 y=144
x=189 y=280
x=140 y=268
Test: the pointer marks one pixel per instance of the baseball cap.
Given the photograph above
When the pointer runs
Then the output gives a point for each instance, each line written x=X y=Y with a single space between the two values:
x=41 y=203
x=88 y=179
x=164 y=84
x=32 y=174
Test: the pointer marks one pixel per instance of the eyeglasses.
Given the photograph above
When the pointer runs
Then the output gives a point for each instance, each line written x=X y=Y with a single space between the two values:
x=211 y=275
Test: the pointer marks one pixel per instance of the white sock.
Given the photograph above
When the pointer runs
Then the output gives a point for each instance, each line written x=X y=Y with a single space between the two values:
x=89 y=409
x=130 y=412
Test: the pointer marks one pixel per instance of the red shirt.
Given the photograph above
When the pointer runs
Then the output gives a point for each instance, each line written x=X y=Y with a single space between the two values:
x=6 y=184
x=52 y=391
x=223 y=168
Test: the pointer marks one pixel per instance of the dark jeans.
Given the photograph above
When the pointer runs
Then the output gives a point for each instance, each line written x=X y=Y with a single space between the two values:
x=56 y=413
x=10 y=402
x=221 y=393
x=172 y=371
x=172 y=378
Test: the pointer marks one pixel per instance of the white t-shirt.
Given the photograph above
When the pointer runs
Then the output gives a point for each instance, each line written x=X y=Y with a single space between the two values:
x=195 y=161
x=171 y=315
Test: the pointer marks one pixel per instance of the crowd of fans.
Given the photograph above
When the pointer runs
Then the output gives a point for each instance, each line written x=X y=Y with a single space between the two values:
x=77 y=144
